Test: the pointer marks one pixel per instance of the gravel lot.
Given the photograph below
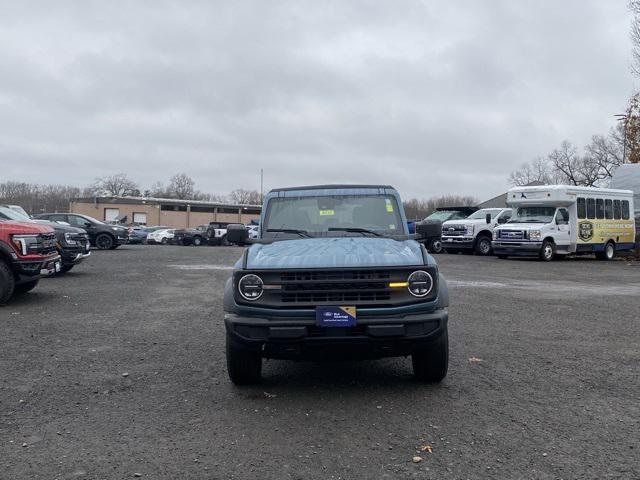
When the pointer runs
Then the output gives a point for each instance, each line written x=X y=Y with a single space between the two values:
x=117 y=370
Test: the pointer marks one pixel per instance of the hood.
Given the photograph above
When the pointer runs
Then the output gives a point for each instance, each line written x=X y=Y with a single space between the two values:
x=335 y=252
x=521 y=226
x=24 y=227
x=464 y=221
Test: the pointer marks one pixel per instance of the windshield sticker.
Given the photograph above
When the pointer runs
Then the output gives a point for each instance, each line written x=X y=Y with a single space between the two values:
x=389 y=205
x=327 y=213
x=392 y=226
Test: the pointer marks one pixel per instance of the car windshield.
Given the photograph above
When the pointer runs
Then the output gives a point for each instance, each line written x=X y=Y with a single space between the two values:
x=319 y=214
x=481 y=214
x=533 y=215
x=92 y=220
x=442 y=216
x=11 y=214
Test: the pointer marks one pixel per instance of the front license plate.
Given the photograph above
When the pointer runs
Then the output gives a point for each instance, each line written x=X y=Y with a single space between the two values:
x=449 y=239
x=335 y=316
x=57 y=267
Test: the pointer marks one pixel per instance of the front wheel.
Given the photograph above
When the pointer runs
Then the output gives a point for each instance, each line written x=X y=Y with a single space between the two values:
x=26 y=287
x=244 y=366
x=483 y=246
x=430 y=363
x=609 y=252
x=7 y=282
x=548 y=251
x=197 y=241
x=164 y=241
x=104 y=241
x=435 y=246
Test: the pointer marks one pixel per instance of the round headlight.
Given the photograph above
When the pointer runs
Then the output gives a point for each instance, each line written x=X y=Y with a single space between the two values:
x=420 y=283
x=250 y=287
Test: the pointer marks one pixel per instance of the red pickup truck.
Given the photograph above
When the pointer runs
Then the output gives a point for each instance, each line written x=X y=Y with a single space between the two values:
x=27 y=251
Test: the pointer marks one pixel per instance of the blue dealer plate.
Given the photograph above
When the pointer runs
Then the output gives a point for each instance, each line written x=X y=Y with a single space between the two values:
x=335 y=316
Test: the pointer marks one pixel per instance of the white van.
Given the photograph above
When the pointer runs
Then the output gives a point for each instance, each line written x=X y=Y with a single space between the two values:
x=560 y=219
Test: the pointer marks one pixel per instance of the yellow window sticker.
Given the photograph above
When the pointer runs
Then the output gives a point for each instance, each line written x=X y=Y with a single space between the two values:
x=389 y=205
x=327 y=213
x=392 y=226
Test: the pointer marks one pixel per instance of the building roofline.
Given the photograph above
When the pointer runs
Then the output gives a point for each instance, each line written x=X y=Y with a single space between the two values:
x=155 y=200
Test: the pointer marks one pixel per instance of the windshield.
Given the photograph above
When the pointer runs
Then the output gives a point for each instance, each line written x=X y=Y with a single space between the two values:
x=481 y=214
x=442 y=216
x=378 y=213
x=11 y=214
x=533 y=215
x=91 y=219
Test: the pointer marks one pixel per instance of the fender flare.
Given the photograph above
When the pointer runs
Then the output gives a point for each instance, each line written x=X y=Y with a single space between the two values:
x=443 y=292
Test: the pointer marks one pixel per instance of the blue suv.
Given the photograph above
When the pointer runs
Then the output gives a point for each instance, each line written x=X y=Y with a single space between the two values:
x=334 y=274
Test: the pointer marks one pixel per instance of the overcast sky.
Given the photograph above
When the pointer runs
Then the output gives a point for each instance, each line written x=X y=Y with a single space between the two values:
x=432 y=97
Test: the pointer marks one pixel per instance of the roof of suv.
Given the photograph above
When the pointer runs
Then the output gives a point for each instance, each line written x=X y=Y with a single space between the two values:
x=328 y=187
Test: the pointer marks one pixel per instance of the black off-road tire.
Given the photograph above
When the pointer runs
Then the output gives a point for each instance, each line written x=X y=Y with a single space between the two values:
x=430 y=364
x=104 y=241
x=244 y=366
x=7 y=282
x=224 y=242
x=547 y=251
x=483 y=246
x=26 y=287
x=609 y=252
x=197 y=241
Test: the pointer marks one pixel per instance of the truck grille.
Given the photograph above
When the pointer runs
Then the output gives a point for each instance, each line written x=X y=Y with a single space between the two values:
x=453 y=230
x=511 y=234
x=336 y=287
x=46 y=243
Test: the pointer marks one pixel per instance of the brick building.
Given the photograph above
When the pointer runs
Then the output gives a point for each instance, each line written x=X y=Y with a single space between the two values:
x=163 y=211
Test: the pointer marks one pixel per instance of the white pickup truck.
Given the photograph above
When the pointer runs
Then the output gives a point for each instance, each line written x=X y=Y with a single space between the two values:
x=474 y=233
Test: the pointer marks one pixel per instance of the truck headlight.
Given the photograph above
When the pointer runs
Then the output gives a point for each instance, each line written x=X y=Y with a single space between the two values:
x=69 y=240
x=469 y=230
x=419 y=283
x=495 y=234
x=534 y=234
x=25 y=243
x=250 y=287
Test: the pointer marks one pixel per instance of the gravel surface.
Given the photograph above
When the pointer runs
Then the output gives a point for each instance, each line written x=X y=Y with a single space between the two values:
x=117 y=370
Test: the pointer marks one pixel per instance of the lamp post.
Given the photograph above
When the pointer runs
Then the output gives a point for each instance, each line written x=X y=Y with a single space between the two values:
x=623 y=117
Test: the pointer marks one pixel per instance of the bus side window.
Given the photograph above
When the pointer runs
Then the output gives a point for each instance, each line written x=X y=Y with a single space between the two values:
x=616 y=210
x=582 y=208
x=599 y=208
x=608 y=209
x=591 y=208
x=625 y=209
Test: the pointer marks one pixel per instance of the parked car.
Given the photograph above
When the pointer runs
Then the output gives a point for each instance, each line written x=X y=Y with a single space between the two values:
x=430 y=229
x=254 y=231
x=72 y=243
x=474 y=233
x=101 y=235
x=191 y=236
x=552 y=220
x=27 y=251
x=217 y=233
x=163 y=236
x=335 y=275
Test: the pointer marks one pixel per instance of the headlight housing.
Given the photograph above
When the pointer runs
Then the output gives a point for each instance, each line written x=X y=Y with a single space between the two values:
x=69 y=240
x=534 y=234
x=25 y=244
x=250 y=287
x=419 y=283
x=495 y=234
x=469 y=230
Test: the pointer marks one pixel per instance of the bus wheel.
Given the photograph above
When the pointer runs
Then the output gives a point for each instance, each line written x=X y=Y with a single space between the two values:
x=547 y=252
x=609 y=252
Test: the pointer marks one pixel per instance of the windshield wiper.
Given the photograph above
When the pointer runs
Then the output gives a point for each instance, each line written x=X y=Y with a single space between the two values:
x=354 y=230
x=302 y=233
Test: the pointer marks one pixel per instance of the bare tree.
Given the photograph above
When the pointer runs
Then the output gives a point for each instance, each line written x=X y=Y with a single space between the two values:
x=417 y=209
x=538 y=170
x=240 y=196
x=606 y=152
x=181 y=186
x=631 y=132
x=117 y=185
x=40 y=198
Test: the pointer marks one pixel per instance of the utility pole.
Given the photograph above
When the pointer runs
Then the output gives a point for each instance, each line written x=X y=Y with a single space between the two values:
x=623 y=117
x=261 y=185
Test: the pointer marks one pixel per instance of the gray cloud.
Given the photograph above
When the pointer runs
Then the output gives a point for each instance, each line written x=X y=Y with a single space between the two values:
x=432 y=97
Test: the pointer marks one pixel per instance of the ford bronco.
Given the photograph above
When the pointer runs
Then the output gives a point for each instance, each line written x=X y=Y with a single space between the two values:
x=334 y=275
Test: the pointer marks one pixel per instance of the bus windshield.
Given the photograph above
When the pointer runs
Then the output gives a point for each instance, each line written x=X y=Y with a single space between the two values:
x=533 y=215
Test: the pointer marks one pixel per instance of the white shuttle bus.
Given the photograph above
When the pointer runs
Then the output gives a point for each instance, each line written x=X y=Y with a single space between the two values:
x=552 y=220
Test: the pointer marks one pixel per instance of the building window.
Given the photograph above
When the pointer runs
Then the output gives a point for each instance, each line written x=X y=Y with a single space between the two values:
x=140 y=218
x=250 y=211
x=111 y=214
x=173 y=208
x=201 y=209
x=227 y=210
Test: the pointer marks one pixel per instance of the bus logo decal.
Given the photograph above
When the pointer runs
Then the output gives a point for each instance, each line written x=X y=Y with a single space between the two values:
x=585 y=231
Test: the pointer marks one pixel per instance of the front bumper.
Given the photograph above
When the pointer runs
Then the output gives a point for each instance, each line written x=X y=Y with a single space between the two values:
x=372 y=337
x=457 y=242
x=28 y=270
x=521 y=248
x=122 y=239
x=74 y=255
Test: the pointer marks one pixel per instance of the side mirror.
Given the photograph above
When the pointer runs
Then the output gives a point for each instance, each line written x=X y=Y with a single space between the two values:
x=502 y=220
x=237 y=233
x=488 y=218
